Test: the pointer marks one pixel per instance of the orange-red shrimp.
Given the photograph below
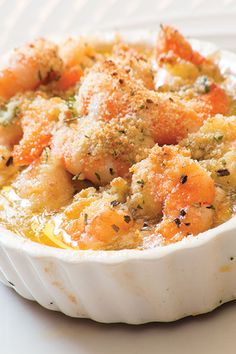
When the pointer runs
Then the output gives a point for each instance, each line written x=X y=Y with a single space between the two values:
x=108 y=92
x=172 y=41
x=45 y=184
x=176 y=63
x=100 y=151
x=100 y=220
x=211 y=103
x=37 y=124
x=77 y=55
x=29 y=66
x=181 y=189
x=120 y=119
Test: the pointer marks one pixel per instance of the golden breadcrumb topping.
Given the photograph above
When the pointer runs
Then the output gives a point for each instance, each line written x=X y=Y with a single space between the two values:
x=111 y=145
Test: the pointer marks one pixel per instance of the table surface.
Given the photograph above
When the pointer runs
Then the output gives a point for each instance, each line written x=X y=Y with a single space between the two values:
x=27 y=328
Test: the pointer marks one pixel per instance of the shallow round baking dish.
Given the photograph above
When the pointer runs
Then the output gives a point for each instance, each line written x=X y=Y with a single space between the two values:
x=190 y=277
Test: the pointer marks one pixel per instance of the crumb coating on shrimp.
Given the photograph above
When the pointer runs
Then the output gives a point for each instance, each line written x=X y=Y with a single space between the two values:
x=114 y=145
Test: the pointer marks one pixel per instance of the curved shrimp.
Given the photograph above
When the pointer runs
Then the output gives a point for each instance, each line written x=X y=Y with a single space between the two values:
x=178 y=63
x=214 y=145
x=77 y=55
x=100 y=151
x=45 y=184
x=99 y=219
x=37 y=123
x=171 y=40
x=31 y=65
x=181 y=190
x=108 y=92
x=121 y=119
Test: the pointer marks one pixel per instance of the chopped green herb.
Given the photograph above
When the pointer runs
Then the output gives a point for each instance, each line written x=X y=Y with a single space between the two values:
x=85 y=219
x=218 y=138
x=46 y=154
x=203 y=84
x=71 y=105
x=9 y=112
x=223 y=162
x=142 y=106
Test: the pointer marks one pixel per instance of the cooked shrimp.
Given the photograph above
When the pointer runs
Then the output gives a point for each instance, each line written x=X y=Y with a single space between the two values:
x=29 y=66
x=37 y=123
x=121 y=120
x=170 y=40
x=214 y=145
x=45 y=184
x=77 y=55
x=100 y=151
x=178 y=63
x=176 y=186
x=105 y=96
x=100 y=220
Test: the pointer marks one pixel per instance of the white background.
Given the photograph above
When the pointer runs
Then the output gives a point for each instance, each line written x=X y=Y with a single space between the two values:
x=25 y=327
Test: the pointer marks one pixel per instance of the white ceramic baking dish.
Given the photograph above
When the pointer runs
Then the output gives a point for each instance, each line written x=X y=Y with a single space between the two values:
x=190 y=277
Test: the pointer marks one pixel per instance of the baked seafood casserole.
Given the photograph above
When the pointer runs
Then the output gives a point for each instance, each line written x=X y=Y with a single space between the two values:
x=109 y=145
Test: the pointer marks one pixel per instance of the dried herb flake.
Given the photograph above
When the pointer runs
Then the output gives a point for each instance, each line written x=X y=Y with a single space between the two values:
x=223 y=172
x=114 y=203
x=115 y=227
x=127 y=218
x=9 y=161
x=183 y=179
x=98 y=176
x=177 y=222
